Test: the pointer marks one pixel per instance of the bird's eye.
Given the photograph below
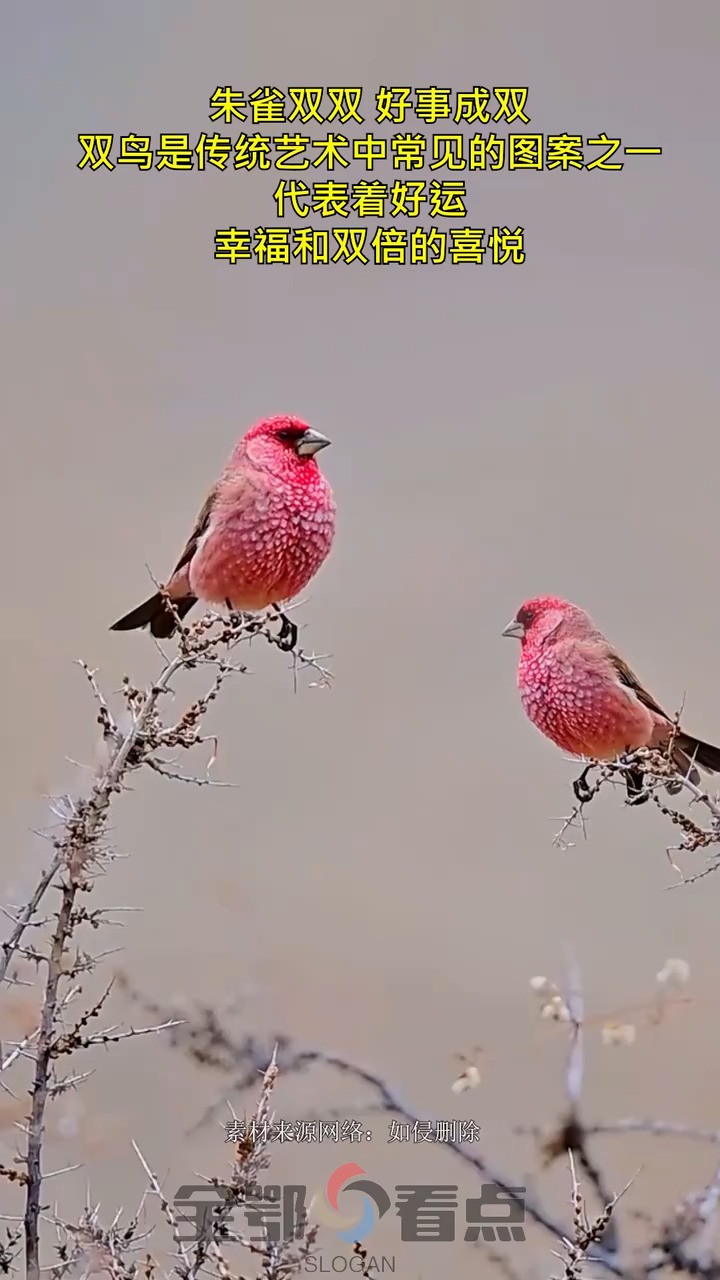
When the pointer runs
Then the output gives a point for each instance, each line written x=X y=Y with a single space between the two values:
x=290 y=434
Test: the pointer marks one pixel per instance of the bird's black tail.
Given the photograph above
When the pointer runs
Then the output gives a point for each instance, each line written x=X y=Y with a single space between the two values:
x=156 y=614
x=689 y=751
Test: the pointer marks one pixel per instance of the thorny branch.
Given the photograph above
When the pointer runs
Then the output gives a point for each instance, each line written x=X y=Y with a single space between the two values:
x=208 y=1042
x=277 y=1258
x=679 y=1241
x=585 y=1233
x=139 y=736
x=658 y=775
x=208 y=1249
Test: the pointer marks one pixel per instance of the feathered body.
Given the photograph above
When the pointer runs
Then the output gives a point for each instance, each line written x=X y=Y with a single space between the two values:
x=581 y=694
x=270 y=528
x=262 y=533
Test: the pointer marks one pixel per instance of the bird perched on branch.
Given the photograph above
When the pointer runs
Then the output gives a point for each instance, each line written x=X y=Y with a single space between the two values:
x=582 y=695
x=262 y=533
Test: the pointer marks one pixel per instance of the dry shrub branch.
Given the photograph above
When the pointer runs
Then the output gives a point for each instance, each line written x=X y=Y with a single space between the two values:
x=147 y=732
x=697 y=828
x=680 y=1239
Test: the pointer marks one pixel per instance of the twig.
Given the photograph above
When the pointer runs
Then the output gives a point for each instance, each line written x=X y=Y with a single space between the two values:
x=585 y=1233
x=139 y=738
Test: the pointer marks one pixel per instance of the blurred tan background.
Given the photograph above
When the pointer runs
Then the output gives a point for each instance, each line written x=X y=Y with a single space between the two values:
x=384 y=882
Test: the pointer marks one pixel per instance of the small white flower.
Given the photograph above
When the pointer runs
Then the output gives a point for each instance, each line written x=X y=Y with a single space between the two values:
x=674 y=973
x=555 y=1009
x=469 y=1079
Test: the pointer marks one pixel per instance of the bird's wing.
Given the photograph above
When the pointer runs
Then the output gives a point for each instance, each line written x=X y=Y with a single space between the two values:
x=237 y=489
x=201 y=525
x=627 y=677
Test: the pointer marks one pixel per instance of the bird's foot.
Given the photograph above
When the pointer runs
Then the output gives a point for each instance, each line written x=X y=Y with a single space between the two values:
x=245 y=622
x=235 y=617
x=636 y=798
x=583 y=792
x=635 y=785
x=288 y=635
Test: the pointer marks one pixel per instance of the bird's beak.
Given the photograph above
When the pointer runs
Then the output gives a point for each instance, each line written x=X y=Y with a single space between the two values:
x=311 y=442
x=514 y=628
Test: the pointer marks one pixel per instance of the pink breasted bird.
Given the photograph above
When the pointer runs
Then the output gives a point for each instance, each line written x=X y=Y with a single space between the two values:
x=582 y=695
x=262 y=533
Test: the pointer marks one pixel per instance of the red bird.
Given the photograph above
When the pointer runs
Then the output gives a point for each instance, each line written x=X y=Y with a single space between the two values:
x=263 y=531
x=583 y=696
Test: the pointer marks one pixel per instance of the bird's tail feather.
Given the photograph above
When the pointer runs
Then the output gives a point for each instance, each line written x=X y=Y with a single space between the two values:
x=689 y=751
x=156 y=614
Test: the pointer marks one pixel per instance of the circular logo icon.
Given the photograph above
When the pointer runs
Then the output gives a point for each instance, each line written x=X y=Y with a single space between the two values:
x=374 y=1202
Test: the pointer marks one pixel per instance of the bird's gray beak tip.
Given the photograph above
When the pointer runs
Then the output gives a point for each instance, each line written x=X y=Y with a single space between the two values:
x=312 y=442
x=513 y=628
